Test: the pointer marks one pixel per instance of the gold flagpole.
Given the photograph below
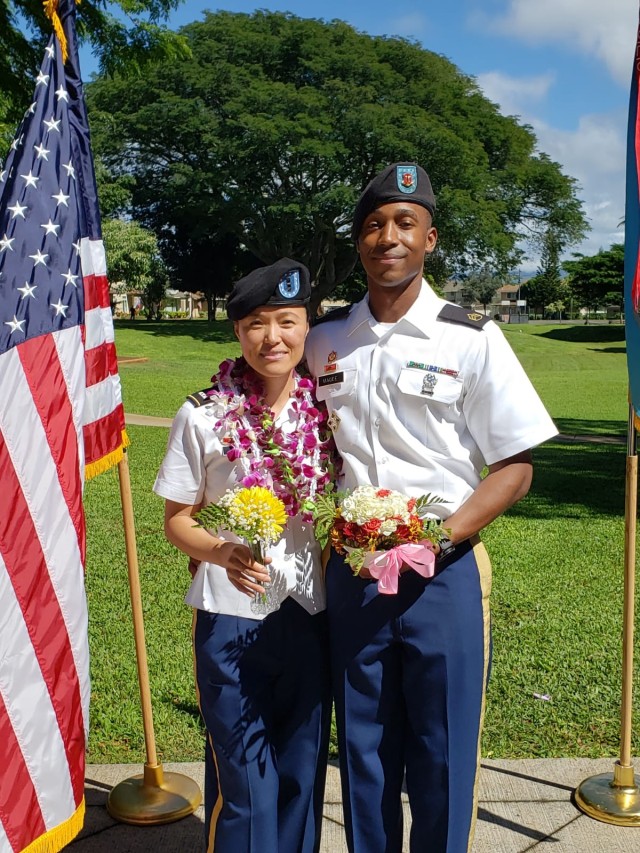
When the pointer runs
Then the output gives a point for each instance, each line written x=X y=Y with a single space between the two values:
x=615 y=797
x=155 y=796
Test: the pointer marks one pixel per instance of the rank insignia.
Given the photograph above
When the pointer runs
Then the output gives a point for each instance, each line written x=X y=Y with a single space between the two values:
x=333 y=421
x=332 y=356
x=407 y=179
x=475 y=317
x=428 y=384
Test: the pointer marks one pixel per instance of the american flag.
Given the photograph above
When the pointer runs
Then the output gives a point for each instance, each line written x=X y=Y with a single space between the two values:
x=61 y=419
x=632 y=239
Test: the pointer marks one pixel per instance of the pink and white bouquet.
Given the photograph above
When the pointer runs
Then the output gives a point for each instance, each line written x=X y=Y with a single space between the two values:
x=380 y=530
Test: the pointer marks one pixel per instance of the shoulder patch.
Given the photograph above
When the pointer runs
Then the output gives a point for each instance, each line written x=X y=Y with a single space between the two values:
x=334 y=314
x=465 y=316
x=199 y=398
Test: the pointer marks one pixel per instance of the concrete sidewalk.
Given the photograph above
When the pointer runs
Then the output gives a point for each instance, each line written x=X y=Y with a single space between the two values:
x=524 y=805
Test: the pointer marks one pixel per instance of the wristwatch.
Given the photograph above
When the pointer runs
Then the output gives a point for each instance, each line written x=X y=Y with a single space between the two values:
x=446 y=548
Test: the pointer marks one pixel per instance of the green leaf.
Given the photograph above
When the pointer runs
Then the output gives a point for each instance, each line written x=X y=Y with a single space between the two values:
x=424 y=502
x=355 y=559
x=324 y=513
x=212 y=517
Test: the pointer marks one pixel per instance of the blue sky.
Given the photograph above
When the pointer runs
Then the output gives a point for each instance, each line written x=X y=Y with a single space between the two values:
x=563 y=66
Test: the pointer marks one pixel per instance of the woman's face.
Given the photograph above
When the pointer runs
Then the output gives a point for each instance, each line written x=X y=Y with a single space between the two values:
x=272 y=338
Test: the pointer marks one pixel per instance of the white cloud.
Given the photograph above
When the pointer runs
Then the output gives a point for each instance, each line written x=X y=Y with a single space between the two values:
x=605 y=29
x=595 y=155
x=594 y=152
x=513 y=94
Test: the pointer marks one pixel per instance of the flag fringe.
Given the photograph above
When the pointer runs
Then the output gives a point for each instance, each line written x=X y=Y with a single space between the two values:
x=108 y=461
x=51 y=11
x=58 y=837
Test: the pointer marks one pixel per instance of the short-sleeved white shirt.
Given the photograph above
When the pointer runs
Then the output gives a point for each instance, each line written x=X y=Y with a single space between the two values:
x=422 y=405
x=195 y=470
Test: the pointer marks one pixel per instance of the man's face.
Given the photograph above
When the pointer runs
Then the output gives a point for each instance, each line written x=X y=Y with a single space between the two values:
x=393 y=242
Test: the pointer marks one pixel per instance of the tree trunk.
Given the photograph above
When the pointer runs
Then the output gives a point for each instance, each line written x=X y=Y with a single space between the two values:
x=211 y=307
x=332 y=274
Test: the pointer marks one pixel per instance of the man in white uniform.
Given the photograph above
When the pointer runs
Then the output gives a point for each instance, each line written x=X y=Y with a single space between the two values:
x=422 y=396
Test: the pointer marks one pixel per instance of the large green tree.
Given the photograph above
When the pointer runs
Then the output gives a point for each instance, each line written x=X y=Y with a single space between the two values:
x=273 y=128
x=596 y=280
x=124 y=34
x=481 y=285
x=546 y=286
x=134 y=262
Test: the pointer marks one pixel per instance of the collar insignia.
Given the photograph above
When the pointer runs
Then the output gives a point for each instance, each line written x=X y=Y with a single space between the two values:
x=333 y=422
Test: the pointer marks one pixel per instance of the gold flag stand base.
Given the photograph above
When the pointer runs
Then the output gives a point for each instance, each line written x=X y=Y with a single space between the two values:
x=153 y=797
x=611 y=797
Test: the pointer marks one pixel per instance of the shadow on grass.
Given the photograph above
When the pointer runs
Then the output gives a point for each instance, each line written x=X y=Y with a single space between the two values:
x=220 y=332
x=586 y=334
x=189 y=708
x=578 y=426
x=575 y=481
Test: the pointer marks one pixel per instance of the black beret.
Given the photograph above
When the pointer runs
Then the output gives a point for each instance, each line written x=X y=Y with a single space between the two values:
x=286 y=282
x=398 y=182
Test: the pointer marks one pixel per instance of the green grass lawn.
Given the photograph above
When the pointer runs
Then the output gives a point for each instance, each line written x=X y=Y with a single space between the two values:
x=558 y=558
x=181 y=355
x=580 y=373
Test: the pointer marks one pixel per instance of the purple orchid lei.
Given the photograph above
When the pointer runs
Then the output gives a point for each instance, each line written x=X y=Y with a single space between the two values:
x=296 y=466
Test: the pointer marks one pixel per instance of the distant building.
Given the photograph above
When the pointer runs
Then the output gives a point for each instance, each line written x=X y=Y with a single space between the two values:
x=184 y=303
x=505 y=305
x=455 y=292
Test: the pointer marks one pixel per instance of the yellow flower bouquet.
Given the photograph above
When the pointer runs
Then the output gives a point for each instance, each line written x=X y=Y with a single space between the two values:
x=257 y=516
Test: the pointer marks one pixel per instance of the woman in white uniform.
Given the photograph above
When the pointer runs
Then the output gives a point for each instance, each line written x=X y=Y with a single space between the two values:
x=263 y=682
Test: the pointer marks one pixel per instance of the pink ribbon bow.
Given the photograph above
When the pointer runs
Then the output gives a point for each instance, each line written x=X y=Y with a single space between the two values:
x=386 y=565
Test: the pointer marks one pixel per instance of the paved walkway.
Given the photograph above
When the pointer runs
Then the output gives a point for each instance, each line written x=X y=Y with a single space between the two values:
x=523 y=805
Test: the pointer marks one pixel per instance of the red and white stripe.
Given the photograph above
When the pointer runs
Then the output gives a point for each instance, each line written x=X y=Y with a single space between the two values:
x=44 y=658
x=104 y=412
x=62 y=413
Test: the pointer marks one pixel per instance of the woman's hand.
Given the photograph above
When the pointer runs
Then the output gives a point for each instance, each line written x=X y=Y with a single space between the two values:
x=247 y=575
x=242 y=570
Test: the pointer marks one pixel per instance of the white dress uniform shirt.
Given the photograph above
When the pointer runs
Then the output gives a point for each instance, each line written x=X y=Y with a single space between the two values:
x=422 y=405
x=195 y=470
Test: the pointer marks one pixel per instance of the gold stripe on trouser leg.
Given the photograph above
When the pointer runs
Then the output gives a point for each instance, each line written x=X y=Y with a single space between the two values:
x=218 y=804
x=484 y=572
